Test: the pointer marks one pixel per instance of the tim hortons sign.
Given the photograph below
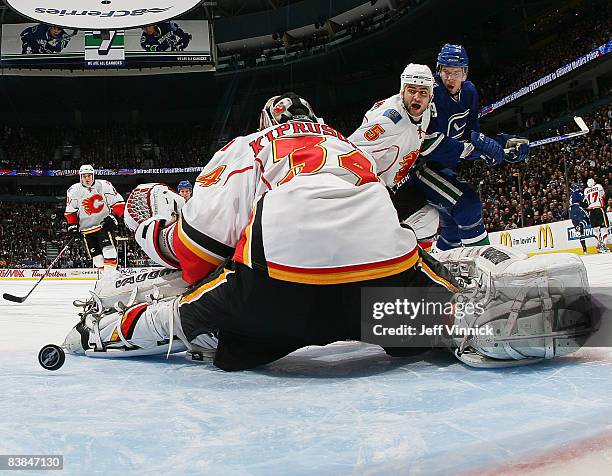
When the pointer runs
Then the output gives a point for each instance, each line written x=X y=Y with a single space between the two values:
x=101 y=14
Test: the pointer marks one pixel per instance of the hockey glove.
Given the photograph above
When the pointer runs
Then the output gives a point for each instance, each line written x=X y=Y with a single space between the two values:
x=73 y=232
x=516 y=148
x=109 y=224
x=490 y=150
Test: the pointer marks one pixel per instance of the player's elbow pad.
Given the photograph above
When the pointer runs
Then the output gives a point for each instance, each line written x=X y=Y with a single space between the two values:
x=155 y=240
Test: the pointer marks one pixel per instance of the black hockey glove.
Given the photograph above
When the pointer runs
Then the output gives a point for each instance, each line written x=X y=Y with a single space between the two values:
x=110 y=223
x=73 y=232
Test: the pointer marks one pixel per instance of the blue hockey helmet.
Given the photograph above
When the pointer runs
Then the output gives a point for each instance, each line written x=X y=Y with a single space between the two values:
x=452 y=55
x=184 y=185
x=575 y=187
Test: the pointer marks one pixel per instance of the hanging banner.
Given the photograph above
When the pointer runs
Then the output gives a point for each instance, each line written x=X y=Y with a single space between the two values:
x=104 y=48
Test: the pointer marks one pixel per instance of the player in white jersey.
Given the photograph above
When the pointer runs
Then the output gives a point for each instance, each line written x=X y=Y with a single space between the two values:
x=92 y=209
x=284 y=228
x=394 y=132
x=595 y=196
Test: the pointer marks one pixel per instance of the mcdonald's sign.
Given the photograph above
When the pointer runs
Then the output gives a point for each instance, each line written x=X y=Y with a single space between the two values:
x=545 y=237
x=505 y=238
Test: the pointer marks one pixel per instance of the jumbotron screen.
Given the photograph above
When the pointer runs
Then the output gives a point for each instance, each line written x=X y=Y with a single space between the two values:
x=168 y=43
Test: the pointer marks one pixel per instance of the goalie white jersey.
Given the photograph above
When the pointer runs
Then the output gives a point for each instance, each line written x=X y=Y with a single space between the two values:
x=89 y=206
x=393 y=138
x=297 y=200
x=595 y=196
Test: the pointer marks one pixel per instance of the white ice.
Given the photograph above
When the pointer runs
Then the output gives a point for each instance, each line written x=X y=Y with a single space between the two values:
x=343 y=409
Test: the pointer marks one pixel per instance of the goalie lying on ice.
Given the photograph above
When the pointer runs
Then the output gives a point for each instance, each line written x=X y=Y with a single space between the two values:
x=285 y=228
x=537 y=308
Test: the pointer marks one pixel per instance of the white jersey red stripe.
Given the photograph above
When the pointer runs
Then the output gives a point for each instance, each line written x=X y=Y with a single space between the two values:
x=89 y=206
x=322 y=215
x=595 y=196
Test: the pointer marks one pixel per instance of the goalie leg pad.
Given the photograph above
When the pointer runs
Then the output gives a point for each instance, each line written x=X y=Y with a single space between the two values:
x=143 y=329
x=127 y=289
x=526 y=309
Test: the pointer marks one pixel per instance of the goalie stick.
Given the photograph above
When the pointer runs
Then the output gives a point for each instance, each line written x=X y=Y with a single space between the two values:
x=549 y=140
x=20 y=299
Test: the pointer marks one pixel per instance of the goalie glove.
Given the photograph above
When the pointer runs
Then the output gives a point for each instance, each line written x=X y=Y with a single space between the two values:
x=152 y=200
x=150 y=213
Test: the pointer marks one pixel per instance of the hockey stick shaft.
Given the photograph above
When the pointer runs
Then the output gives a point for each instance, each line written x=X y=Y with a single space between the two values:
x=549 y=140
x=20 y=299
x=559 y=138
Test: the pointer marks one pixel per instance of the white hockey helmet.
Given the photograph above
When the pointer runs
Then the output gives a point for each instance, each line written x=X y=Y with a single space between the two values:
x=86 y=169
x=590 y=182
x=284 y=108
x=417 y=74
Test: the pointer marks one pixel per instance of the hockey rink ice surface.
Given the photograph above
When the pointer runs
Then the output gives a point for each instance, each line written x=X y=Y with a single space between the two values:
x=343 y=409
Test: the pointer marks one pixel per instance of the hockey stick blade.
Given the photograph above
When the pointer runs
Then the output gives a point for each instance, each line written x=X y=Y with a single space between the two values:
x=581 y=124
x=10 y=297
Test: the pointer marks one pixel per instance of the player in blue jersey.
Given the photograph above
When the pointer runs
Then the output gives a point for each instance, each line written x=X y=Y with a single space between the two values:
x=577 y=213
x=164 y=36
x=44 y=39
x=185 y=189
x=456 y=105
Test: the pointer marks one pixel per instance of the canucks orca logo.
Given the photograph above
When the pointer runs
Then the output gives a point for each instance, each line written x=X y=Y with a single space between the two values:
x=456 y=124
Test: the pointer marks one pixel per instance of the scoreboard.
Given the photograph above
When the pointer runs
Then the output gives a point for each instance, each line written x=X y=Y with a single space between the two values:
x=40 y=46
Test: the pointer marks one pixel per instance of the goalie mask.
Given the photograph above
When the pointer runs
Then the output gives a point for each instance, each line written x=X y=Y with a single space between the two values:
x=284 y=108
x=152 y=200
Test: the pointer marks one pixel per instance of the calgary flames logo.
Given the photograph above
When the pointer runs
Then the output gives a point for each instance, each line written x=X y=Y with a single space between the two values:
x=405 y=165
x=93 y=204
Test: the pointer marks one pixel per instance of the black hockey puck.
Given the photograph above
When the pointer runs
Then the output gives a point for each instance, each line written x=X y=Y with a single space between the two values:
x=51 y=357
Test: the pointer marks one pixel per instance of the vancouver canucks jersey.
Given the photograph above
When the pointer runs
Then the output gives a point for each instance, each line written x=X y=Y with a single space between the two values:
x=456 y=117
x=577 y=198
x=168 y=37
x=38 y=40
x=576 y=209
